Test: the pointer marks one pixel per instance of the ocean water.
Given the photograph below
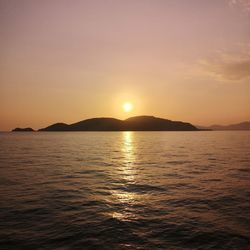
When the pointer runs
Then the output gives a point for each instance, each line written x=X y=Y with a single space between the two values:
x=125 y=190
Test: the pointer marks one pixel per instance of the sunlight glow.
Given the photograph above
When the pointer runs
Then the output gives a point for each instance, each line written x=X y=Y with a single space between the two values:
x=127 y=106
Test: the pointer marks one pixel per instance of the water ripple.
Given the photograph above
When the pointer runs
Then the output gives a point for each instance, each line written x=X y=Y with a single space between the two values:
x=125 y=190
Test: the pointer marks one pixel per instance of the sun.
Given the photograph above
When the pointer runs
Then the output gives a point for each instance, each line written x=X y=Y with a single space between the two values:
x=127 y=106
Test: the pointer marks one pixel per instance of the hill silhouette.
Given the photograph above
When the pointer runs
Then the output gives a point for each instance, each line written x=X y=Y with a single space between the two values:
x=137 y=123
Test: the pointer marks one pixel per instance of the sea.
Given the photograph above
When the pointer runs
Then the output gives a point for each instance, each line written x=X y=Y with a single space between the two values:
x=125 y=190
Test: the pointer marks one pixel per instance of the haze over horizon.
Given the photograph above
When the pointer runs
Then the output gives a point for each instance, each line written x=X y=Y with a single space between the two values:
x=65 y=61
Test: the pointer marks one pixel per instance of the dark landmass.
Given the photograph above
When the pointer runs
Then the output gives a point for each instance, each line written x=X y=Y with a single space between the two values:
x=238 y=126
x=138 y=123
x=201 y=128
x=23 y=130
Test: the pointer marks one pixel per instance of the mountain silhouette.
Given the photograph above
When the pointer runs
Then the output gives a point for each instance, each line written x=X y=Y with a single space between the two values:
x=137 y=123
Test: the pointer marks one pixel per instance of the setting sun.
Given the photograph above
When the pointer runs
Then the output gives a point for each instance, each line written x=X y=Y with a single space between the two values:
x=127 y=106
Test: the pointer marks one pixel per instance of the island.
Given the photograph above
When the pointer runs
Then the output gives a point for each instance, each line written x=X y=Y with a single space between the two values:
x=137 y=123
x=23 y=130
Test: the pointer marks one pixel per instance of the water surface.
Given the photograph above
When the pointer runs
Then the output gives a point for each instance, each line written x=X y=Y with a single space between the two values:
x=125 y=190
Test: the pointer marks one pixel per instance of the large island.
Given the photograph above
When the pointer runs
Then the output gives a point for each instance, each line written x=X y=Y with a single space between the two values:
x=137 y=123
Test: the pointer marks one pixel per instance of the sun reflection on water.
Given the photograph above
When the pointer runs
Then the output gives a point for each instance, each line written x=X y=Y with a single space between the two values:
x=127 y=175
x=128 y=152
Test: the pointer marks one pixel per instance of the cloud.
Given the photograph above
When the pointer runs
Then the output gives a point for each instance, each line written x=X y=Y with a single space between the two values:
x=228 y=67
x=243 y=4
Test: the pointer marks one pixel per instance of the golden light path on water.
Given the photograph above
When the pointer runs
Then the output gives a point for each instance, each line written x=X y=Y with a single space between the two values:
x=128 y=151
x=127 y=174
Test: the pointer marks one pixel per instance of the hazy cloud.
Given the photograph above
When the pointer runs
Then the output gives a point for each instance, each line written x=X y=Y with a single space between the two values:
x=232 y=67
x=244 y=4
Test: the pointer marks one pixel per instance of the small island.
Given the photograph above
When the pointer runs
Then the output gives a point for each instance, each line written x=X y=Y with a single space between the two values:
x=23 y=130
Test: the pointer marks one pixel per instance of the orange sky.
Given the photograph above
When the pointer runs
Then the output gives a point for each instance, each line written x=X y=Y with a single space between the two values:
x=65 y=61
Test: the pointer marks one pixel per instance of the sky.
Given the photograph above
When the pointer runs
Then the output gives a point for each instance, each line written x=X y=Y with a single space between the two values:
x=69 y=60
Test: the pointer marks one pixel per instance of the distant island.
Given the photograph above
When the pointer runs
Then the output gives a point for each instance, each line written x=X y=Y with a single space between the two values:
x=138 y=123
x=237 y=126
x=23 y=130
